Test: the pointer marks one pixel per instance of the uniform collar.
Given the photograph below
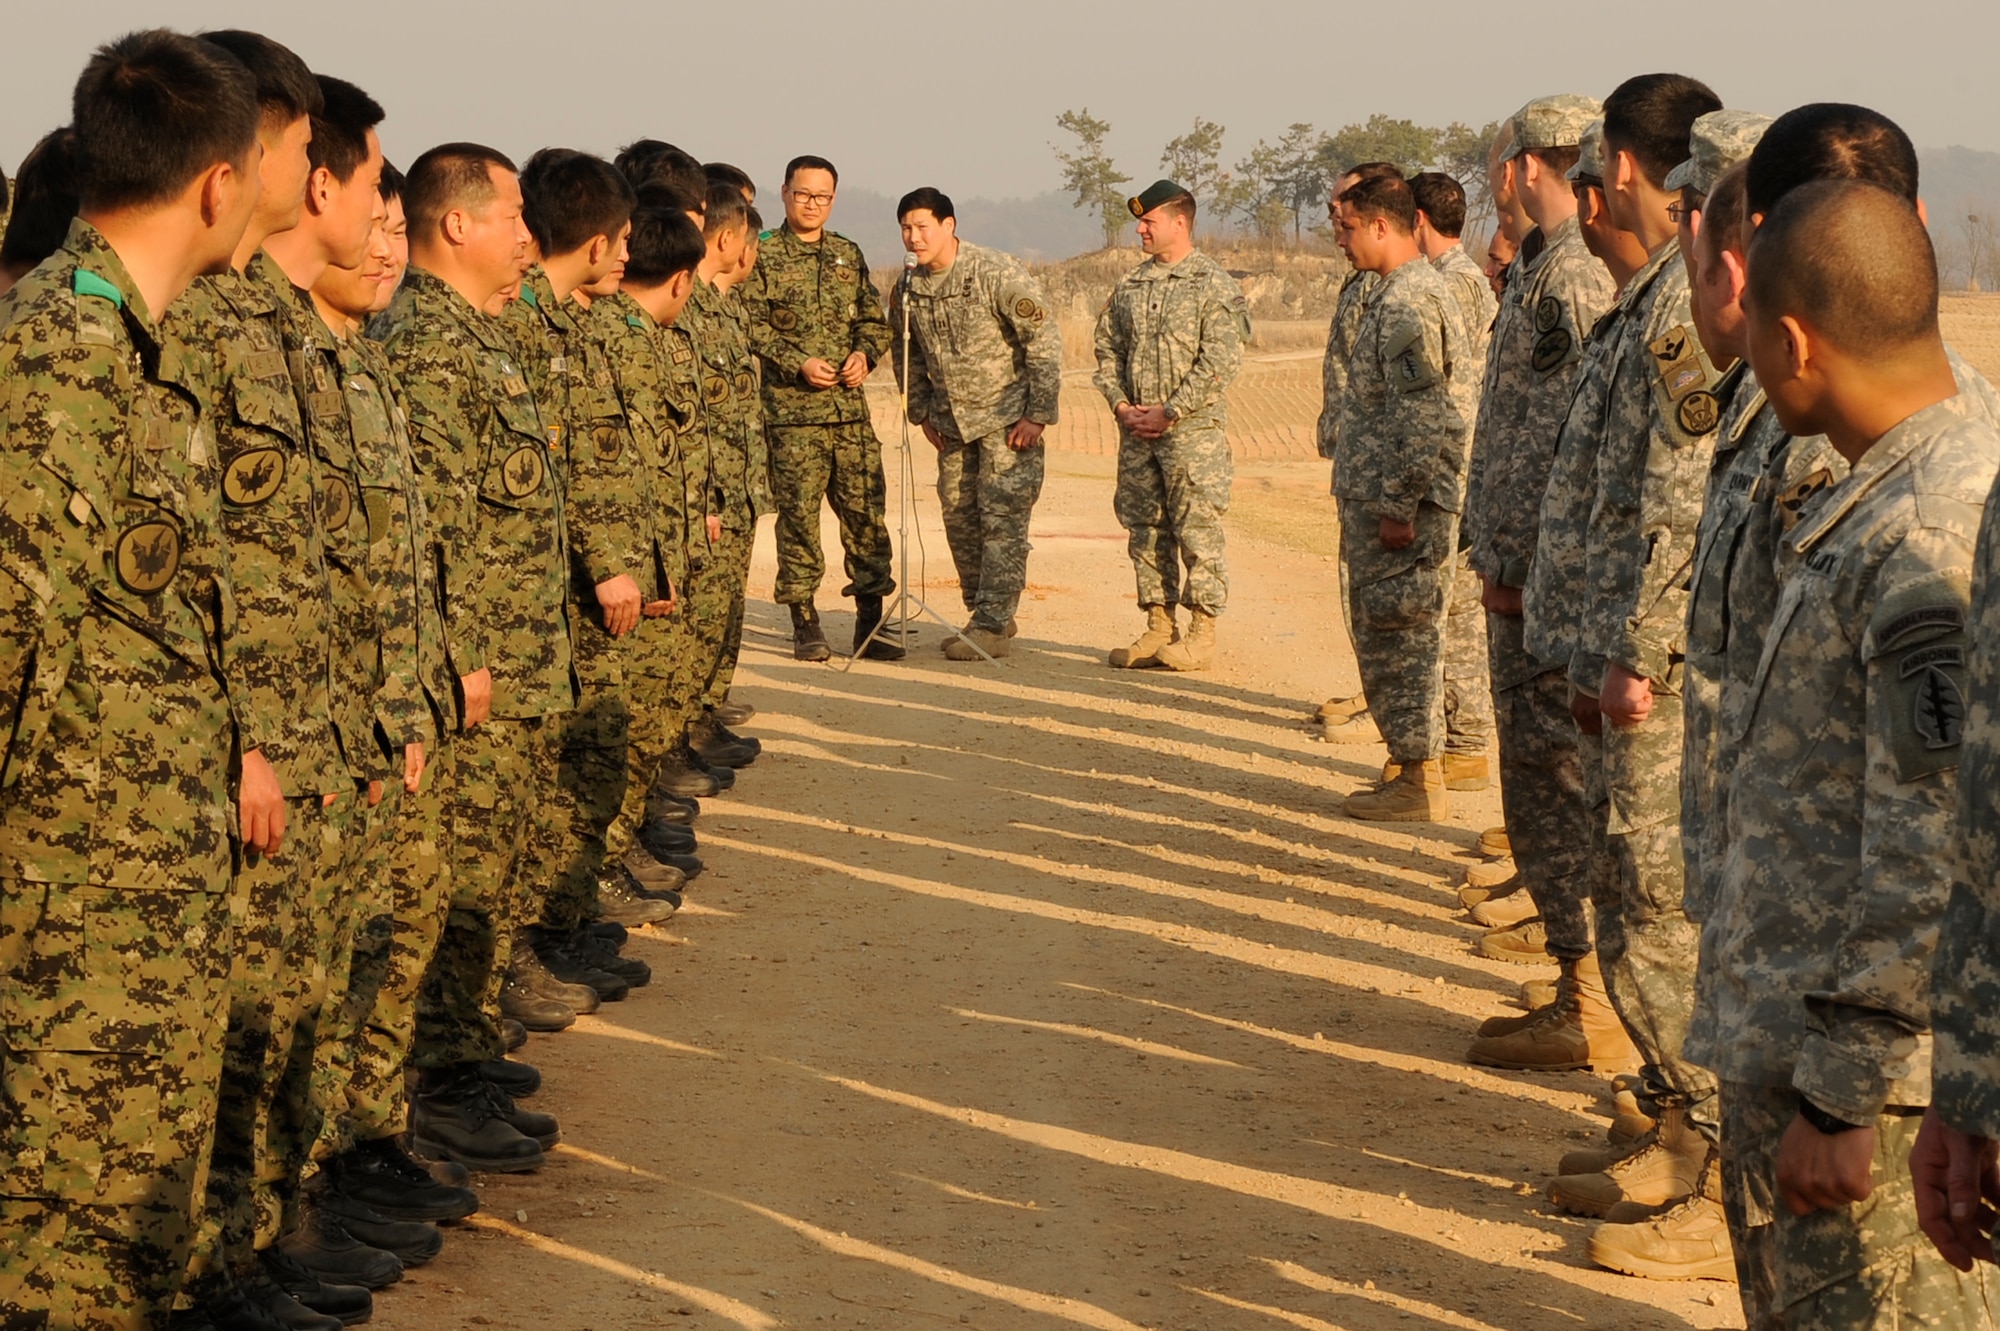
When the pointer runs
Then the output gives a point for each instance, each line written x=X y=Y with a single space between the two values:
x=100 y=272
x=1889 y=452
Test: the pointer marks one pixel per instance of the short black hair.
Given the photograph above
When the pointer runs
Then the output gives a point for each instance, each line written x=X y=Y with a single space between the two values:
x=753 y=219
x=393 y=184
x=722 y=173
x=1651 y=116
x=152 y=111
x=340 y=128
x=1559 y=159
x=808 y=162
x=1387 y=197
x=5 y=194
x=1851 y=260
x=286 y=88
x=1829 y=141
x=664 y=240
x=724 y=209
x=570 y=198
x=1442 y=199
x=652 y=161
x=451 y=175
x=1372 y=171
x=933 y=201
x=44 y=202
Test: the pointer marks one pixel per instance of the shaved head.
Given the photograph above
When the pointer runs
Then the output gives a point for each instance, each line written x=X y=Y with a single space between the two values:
x=1853 y=263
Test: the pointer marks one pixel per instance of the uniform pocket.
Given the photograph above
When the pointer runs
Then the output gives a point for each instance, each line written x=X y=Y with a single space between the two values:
x=78 y=1125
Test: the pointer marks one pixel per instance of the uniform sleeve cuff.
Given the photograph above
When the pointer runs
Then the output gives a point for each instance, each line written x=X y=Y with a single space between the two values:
x=1843 y=1082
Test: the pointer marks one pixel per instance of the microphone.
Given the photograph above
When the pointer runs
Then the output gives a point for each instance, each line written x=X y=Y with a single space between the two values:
x=909 y=266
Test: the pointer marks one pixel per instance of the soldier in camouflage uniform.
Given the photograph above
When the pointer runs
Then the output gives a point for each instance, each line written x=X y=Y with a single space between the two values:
x=1169 y=342
x=982 y=373
x=749 y=499
x=816 y=324
x=483 y=459
x=1400 y=476
x=1550 y=301
x=1815 y=967
x=115 y=895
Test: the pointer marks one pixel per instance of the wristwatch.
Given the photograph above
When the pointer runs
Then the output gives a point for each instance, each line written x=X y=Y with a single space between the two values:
x=1824 y=1121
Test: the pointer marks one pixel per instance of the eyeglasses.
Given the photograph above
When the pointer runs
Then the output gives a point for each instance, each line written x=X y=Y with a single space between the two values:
x=1680 y=212
x=802 y=198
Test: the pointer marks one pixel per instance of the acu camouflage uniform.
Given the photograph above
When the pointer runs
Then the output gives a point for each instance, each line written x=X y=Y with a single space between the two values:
x=1468 y=693
x=1538 y=354
x=1815 y=970
x=281 y=506
x=485 y=467
x=1404 y=445
x=1355 y=291
x=807 y=300
x=115 y=809
x=1660 y=416
x=1172 y=335
x=982 y=355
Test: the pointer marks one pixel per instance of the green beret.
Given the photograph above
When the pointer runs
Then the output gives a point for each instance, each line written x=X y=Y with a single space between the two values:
x=1157 y=193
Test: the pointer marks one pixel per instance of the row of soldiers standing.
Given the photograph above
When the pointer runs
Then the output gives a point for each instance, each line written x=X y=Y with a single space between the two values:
x=1726 y=493
x=368 y=640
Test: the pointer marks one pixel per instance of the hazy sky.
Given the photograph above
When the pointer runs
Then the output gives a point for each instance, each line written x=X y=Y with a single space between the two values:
x=964 y=97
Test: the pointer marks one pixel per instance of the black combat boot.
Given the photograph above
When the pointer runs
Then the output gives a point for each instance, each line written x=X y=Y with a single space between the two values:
x=650 y=872
x=566 y=966
x=349 y=1302
x=519 y=1080
x=716 y=747
x=733 y=713
x=591 y=952
x=664 y=838
x=808 y=640
x=413 y=1242
x=712 y=719
x=282 y=1307
x=608 y=932
x=684 y=776
x=623 y=905
x=461 y=1116
x=529 y=970
x=512 y=1034
x=867 y=615
x=381 y=1176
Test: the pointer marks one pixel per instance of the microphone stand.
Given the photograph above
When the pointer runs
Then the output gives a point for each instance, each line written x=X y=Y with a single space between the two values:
x=906 y=484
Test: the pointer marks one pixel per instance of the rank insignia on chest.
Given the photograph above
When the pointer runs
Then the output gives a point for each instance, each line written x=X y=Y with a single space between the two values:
x=681 y=353
x=515 y=385
x=147 y=556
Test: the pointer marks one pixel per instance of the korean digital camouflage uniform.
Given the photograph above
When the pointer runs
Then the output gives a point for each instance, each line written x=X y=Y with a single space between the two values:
x=1815 y=970
x=982 y=355
x=1172 y=335
x=1660 y=417
x=654 y=372
x=1538 y=353
x=400 y=875
x=735 y=494
x=605 y=495
x=807 y=300
x=281 y=506
x=1468 y=692
x=493 y=492
x=1404 y=446
x=115 y=809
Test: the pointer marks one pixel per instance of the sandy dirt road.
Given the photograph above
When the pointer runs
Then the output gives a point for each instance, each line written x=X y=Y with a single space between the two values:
x=1049 y=996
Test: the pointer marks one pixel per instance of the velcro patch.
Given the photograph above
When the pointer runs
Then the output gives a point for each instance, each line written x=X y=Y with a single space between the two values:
x=1944 y=654
x=1699 y=413
x=1548 y=313
x=1933 y=618
x=147 y=556
x=1027 y=309
x=265 y=365
x=1791 y=501
x=1552 y=349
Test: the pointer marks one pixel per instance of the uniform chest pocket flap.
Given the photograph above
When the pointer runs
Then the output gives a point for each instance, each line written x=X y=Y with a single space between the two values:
x=517 y=462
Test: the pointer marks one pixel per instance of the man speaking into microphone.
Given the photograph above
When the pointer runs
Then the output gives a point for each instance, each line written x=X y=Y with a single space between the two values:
x=982 y=368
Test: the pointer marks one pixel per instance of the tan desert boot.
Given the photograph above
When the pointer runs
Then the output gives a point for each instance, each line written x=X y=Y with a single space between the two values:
x=1687 y=1241
x=1013 y=628
x=1525 y=944
x=1357 y=728
x=1629 y=1119
x=1160 y=630
x=1467 y=771
x=1561 y=1037
x=1339 y=709
x=1597 y=1159
x=1489 y=879
x=1611 y=1047
x=1494 y=843
x=995 y=645
x=1658 y=1174
x=1415 y=796
x=1554 y=992
x=1504 y=912
x=1196 y=648
x=1537 y=993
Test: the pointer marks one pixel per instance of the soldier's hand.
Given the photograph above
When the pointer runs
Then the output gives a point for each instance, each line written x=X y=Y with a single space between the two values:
x=1584 y=711
x=478 y=690
x=1146 y=422
x=1499 y=598
x=1626 y=699
x=937 y=440
x=413 y=767
x=618 y=598
x=260 y=805
x=1025 y=435
x=818 y=373
x=374 y=793
x=1395 y=535
x=713 y=524
x=1957 y=1177
x=854 y=370
x=1818 y=1171
x=658 y=609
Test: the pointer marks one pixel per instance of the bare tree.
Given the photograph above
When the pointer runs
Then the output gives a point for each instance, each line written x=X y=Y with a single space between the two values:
x=1980 y=234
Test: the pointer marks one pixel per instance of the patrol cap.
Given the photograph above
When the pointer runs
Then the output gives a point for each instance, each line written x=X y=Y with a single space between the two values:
x=1552 y=122
x=1718 y=141
x=1590 y=158
x=1157 y=193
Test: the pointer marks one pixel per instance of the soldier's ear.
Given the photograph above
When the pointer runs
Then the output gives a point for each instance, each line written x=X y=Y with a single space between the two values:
x=456 y=224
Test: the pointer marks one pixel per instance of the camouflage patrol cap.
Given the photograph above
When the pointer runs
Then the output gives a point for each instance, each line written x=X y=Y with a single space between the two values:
x=1718 y=141
x=1590 y=160
x=1157 y=193
x=1552 y=122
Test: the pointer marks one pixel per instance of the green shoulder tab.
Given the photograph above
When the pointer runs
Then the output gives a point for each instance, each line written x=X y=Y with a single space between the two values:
x=763 y=236
x=528 y=294
x=87 y=283
x=635 y=321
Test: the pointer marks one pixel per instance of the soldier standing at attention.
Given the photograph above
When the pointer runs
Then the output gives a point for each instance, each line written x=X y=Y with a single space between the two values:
x=1816 y=960
x=115 y=817
x=817 y=325
x=1400 y=477
x=1169 y=342
x=985 y=370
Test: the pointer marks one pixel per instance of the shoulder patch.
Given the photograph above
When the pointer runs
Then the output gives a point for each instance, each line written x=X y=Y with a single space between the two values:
x=87 y=283
x=528 y=295
x=1552 y=348
x=1673 y=346
x=1929 y=618
x=1699 y=412
x=1025 y=308
x=147 y=555
x=1548 y=313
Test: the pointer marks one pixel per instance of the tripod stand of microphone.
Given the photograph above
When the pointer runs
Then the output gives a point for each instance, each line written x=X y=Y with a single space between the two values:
x=906 y=483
